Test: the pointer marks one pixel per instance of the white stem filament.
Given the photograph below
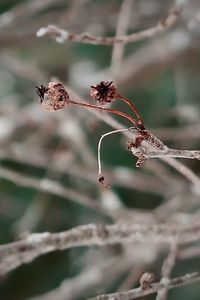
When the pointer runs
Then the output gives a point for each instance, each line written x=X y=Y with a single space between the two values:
x=99 y=146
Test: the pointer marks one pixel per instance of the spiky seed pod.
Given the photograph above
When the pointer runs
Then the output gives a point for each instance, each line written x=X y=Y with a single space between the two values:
x=53 y=97
x=104 y=92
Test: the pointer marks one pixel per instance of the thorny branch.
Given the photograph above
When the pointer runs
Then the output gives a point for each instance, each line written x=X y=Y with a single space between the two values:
x=62 y=35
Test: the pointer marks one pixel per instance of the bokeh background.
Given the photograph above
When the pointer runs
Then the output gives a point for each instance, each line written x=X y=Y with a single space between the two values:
x=161 y=75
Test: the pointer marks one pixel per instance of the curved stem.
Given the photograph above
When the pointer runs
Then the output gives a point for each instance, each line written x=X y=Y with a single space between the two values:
x=110 y=110
x=99 y=146
x=132 y=106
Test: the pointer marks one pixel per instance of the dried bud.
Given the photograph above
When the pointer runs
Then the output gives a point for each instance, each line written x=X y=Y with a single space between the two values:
x=101 y=179
x=53 y=97
x=104 y=92
x=146 y=280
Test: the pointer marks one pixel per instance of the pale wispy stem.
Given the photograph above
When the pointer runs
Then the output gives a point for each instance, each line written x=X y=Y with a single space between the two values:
x=24 y=251
x=166 y=270
x=99 y=146
x=155 y=287
x=122 y=25
x=62 y=35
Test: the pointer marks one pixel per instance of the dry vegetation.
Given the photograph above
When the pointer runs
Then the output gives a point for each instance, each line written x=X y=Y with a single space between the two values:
x=70 y=231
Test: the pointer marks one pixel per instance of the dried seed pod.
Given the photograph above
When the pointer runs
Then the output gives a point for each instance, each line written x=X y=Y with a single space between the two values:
x=146 y=280
x=104 y=92
x=53 y=97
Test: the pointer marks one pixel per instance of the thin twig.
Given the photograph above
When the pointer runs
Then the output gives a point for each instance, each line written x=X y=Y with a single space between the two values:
x=165 y=153
x=109 y=110
x=122 y=24
x=191 y=154
x=155 y=287
x=166 y=270
x=62 y=35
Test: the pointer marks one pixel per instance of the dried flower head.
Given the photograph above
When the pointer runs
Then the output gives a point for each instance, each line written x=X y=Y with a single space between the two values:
x=104 y=92
x=53 y=97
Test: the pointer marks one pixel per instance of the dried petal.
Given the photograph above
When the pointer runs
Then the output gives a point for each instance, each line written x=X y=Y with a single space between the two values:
x=104 y=92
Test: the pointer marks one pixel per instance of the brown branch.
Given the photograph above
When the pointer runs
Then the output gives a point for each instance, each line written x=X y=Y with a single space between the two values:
x=155 y=287
x=24 y=251
x=62 y=35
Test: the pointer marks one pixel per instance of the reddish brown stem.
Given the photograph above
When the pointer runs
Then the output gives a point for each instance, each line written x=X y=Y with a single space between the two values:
x=110 y=110
x=140 y=122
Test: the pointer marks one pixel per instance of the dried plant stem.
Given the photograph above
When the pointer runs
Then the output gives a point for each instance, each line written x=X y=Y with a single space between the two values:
x=165 y=153
x=140 y=122
x=99 y=146
x=191 y=154
x=109 y=110
x=24 y=251
x=155 y=287
x=61 y=35
x=154 y=142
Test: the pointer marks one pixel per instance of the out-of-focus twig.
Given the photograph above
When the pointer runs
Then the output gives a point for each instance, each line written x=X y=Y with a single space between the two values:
x=122 y=25
x=62 y=35
x=102 y=273
x=22 y=10
x=166 y=270
x=164 y=153
x=48 y=186
x=17 y=253
x=155 y=287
